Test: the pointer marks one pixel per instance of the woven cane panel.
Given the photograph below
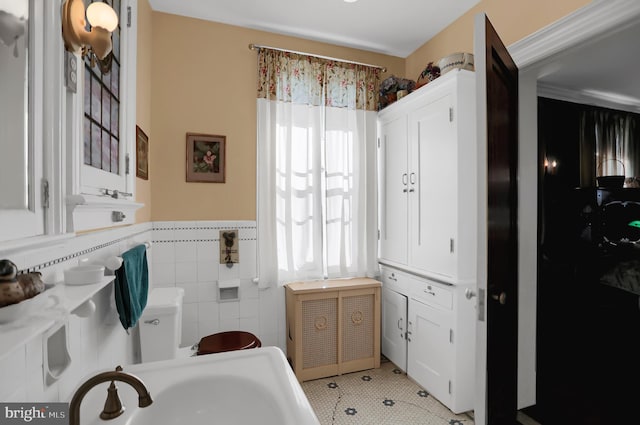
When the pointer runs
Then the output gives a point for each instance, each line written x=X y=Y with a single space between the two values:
x=357 y=327
x=319 y=332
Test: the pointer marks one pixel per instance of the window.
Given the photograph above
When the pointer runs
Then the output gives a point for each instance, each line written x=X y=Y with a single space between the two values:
x=316 y=168
x=108 y=111
x=102 y=132
x=102 y=109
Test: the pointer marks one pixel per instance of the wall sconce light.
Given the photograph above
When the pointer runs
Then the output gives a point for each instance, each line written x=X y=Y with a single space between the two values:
x=103 y=20
x=550 y=166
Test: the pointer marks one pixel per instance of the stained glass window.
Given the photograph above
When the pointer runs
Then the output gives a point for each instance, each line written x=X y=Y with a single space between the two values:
x=102 y=107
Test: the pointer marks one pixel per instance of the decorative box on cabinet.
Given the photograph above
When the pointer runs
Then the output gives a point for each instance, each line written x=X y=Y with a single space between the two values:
x=427 y=162
x=333 y=326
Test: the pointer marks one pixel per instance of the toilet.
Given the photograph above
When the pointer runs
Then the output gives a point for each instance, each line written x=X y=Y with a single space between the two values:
x=227 y=341
x=161 y=324
x=161 y=330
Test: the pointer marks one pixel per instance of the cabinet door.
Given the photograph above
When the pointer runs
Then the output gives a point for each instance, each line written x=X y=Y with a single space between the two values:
x=358 y=326
x=393 y=193
x=394 y=326
x=433 y=188
x=431 y=352
x=319 y=332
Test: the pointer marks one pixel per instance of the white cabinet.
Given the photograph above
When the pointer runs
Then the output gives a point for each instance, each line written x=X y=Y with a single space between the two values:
x=394 y=186
x=430 y=349
x=427 y=162
x=394 y=327
x=439 y=342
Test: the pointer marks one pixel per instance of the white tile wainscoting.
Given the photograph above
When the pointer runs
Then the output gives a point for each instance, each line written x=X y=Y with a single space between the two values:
x=184 y=254
x=95 y=342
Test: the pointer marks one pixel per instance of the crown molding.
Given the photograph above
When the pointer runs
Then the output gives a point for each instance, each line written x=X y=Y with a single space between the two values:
x=596 y=19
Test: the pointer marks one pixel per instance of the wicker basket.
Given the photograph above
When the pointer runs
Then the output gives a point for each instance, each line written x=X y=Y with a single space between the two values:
x=456 y=60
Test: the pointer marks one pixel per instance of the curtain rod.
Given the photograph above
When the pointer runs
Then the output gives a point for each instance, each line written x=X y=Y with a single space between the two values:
x=258 y=47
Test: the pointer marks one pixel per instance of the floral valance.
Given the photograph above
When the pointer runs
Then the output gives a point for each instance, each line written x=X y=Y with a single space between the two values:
x=303 y=79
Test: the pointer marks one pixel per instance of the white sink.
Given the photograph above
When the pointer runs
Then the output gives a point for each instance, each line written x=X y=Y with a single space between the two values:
x=254 y=386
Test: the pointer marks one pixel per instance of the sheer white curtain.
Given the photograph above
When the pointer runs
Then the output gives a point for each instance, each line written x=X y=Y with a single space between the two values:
x=316 y=184
x=615 y=136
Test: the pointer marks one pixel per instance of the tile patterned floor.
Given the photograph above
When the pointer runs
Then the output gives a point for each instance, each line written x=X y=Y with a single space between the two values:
x=382 y=396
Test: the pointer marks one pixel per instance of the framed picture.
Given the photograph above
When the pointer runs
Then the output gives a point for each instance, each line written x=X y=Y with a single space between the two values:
x=142 y=154
x=205 y=158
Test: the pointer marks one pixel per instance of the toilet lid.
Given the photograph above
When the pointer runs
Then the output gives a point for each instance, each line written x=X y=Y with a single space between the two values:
x=227 y=341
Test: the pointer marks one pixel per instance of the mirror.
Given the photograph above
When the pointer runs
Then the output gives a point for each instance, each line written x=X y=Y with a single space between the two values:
x=16 y=183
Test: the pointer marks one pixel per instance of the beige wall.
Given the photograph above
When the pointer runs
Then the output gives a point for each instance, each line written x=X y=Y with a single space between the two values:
x=513 y=20
x=143 y=102
x=203 y=80
x=199 y=76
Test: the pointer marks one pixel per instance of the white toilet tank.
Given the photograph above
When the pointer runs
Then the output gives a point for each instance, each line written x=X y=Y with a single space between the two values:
x=161 y=324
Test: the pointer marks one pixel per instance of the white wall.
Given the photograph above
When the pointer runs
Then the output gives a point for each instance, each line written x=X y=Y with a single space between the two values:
x=96 y=342
x=186 y=254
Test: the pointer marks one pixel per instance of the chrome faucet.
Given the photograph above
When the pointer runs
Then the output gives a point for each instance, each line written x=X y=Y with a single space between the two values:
x=113 y=406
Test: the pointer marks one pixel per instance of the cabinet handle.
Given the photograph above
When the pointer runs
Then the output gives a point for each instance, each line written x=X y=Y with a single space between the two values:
x=412 y=178
x=400 y=323
x=393 y=278
x=404 y=182
x=426 y=291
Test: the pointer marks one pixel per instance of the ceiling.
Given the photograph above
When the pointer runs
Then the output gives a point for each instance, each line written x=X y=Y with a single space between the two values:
x=395 y=28
x=606 y=69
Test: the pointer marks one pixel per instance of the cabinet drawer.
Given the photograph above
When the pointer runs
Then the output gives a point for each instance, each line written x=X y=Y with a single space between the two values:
x=394 y=280
x=433 y=294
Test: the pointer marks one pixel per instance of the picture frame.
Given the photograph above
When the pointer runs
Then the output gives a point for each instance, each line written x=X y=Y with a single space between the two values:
x=206 y=158
x=142 y=154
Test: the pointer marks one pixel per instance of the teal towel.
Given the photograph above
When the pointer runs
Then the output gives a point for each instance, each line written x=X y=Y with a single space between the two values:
x=132 y=286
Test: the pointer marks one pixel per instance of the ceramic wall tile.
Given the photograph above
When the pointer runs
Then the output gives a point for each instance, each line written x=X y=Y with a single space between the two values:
x=207 y=251
x=208 y=318
x=185 y=251
x=207 y=271
x=13 y=370
x=228 y=273
x=207 y=291
x=229 y=324
x=189 y=333
x=163 y=252
x=248 y=289
x=230 y=310
x=250 y=324
x=186 y=272
x=249 y=308
x=190 y=312
x=164 y=273
x=248 y=259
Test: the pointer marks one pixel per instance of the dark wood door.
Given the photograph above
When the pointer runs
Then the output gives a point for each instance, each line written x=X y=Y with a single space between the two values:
x=502 y=231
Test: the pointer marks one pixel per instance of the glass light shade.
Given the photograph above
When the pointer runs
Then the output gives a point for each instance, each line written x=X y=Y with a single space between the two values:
x=101 y=15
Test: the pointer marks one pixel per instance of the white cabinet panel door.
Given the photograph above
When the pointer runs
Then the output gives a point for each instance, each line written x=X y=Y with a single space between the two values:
x=394 y=180
x=433 y=187
x=430 y=349
x=394 y=326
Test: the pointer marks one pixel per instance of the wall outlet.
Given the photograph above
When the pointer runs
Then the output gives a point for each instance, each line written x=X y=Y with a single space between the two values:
x=71 y=71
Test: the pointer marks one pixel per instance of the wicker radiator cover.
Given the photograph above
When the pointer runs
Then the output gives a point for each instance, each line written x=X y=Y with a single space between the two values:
x=333 y=326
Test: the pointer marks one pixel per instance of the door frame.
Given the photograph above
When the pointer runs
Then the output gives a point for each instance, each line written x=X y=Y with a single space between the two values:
x=533 y=55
